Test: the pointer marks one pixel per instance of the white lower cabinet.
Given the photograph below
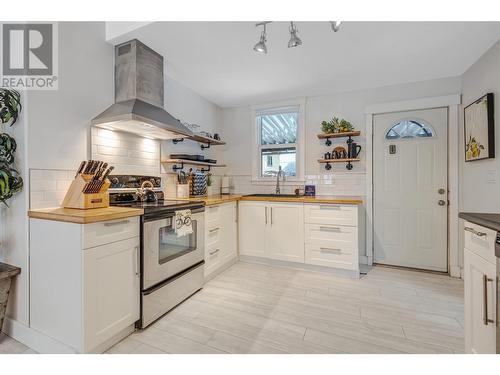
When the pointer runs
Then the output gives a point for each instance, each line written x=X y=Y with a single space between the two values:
x=252 y=225
x=321 y=235
x=221 y=245
x=332 y=235
x=111 y=290
x=480 y=281
x=284 y=234
x=272 y=230
x=84 y=291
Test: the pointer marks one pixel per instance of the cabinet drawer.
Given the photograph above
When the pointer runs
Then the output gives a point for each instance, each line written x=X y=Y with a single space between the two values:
x=213 y=235
x=339 y=214
x=331 y=235
x=105 y=232
x=213 y=257
x=480 y=241
x=330 y=257
x=213 y=213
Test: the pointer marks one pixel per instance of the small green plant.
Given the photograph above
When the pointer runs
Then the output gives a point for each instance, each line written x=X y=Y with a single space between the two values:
x=336 y=125
x=10 y=180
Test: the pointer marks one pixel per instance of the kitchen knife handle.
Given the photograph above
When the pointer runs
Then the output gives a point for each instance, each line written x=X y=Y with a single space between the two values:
x=80 y=168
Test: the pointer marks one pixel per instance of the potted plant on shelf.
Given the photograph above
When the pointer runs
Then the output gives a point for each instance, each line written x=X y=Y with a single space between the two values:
x=10 y=180
x=336 y=125
x=209 y=185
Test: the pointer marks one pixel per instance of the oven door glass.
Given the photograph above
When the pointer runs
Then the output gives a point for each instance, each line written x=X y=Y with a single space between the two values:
x=171 y=246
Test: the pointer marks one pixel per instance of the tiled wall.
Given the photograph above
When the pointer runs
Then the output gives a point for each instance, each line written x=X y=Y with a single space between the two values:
x=129 y=154
x=48 y=186
x=347 y=183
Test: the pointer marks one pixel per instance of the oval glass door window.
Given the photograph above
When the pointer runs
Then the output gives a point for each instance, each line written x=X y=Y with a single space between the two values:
x=409 y=129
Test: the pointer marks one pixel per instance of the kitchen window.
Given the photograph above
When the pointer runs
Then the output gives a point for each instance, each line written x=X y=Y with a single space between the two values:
x=278 y=131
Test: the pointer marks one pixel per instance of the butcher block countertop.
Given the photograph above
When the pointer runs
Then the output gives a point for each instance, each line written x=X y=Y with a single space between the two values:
x=73 y=215
x=306 y=199
x=212 y=200
x=218 y=199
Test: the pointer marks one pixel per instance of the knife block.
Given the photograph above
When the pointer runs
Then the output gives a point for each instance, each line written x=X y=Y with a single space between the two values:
x=76 y=198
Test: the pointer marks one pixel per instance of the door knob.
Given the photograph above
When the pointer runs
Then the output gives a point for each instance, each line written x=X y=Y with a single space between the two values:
x=441 y=202
x=441 y=191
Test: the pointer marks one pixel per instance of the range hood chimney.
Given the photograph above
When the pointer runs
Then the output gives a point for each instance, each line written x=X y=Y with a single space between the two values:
x=138 y=107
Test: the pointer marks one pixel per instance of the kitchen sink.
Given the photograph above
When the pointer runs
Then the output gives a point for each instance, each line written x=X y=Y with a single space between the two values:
x=275 y=195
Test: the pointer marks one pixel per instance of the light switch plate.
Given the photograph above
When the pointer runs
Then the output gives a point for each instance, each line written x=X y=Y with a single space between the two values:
x=492 y=176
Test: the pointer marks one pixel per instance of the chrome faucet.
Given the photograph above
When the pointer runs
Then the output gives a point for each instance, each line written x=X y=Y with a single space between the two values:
x=280 y=172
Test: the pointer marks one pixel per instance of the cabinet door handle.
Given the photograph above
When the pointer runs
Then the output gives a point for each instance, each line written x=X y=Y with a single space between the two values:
x=330 y=250
x=136 y=255
x=214 y=252
x=329 y=229
x=113 y=223
x=265 y=208
x=213 y=230
x=329 y=207
x=486 y=320
x=271 y=216
x=472 y=230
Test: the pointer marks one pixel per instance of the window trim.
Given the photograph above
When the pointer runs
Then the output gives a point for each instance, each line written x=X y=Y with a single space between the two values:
x=271 y=108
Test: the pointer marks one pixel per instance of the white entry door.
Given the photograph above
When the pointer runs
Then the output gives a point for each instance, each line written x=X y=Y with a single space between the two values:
x=410 y=198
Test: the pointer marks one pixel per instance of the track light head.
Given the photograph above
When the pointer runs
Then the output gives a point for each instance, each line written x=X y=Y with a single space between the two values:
x=294 y=41
x=260 y=47
x=335 y=25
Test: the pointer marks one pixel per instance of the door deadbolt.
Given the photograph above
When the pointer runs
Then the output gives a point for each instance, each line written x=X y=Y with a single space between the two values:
x=441 y=191
x=441 y=202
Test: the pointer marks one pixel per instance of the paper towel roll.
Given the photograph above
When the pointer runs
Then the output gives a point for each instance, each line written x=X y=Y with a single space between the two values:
x=224 y=188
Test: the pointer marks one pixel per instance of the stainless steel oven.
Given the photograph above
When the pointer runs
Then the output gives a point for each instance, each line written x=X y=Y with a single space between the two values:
x=172 y=267
x=164 y=254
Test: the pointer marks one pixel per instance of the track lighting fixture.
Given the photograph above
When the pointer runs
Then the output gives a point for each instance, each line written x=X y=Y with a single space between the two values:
x=261 y=45
x=335 y=25
x=294 y=41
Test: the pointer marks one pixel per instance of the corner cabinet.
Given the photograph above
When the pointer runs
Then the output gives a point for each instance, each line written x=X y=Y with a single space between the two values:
x=481 y=284
x=85 y=282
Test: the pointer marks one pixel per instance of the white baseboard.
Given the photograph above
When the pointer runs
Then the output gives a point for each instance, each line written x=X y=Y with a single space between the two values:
x=35 y=340
x=456 y=271
x=363 y=259
x=221 y=269
x=301 y=266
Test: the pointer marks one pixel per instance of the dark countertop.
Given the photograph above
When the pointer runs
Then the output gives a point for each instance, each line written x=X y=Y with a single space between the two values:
x=6 y=270
x=491 y=221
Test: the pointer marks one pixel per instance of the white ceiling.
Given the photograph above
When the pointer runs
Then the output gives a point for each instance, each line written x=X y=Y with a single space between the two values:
x=216 y=60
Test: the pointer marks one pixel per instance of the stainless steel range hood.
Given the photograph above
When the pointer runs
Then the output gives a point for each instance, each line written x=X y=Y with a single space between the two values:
x=138 y=104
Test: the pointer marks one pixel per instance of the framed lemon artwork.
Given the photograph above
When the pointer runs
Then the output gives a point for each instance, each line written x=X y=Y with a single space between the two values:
x=479 y=129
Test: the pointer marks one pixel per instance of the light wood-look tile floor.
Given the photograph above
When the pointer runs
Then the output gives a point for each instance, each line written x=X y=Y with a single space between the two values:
x=253 y=308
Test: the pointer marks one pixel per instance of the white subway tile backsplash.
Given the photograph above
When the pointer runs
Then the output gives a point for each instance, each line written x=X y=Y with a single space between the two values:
x=43 y=185
x=47 y=187
x=129 y=154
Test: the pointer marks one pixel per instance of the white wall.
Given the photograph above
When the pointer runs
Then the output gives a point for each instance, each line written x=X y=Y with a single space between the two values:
x=53 y=134
x=237 y=127
x=478 y=193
